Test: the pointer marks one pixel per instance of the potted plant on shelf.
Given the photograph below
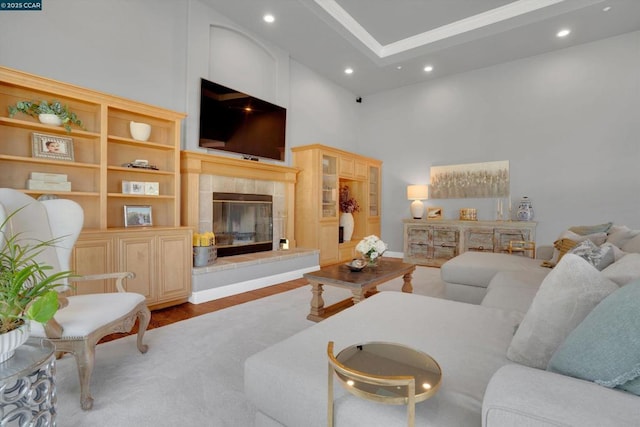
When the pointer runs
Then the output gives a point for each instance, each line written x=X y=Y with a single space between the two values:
x=53 y=113
x=27 y=291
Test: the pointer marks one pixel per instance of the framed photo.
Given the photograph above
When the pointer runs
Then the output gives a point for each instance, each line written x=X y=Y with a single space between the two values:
x=133 y=187
x=137 y=216
x=434 y=212
x=51 y=147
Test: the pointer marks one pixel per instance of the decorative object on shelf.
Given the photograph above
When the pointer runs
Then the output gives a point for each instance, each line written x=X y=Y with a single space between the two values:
x=357 y=264
x=434 y=212
x=52 y=113
x=468 y=214
x=371 y=248
x=152 y=188
x=525 y=210
x=471 y=180
x=132 y=187
x=137 y=216
x=140 y=131
x=51 y=147
x=348 y=205
x=27 y=292
x=205 y=251
x=140 y=164
x=417 y=193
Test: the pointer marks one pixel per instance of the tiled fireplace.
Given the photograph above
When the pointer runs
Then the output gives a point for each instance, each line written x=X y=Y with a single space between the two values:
x=202 y=175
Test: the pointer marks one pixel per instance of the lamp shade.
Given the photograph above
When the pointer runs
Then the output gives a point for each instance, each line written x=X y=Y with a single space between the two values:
x=418 y=192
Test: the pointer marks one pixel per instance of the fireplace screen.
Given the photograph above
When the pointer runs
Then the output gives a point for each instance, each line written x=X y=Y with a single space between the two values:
x=242 y=223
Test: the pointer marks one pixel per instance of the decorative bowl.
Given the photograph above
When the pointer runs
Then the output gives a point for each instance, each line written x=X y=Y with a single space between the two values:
x=140 y=131
x=356 y=265
x=49 y=119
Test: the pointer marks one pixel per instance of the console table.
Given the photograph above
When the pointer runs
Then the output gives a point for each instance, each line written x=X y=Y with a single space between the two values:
x=433 y=242
x=27 y=386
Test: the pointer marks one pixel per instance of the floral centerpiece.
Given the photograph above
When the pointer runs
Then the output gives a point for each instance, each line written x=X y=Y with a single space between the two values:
x=371 y=248
x=347 y=203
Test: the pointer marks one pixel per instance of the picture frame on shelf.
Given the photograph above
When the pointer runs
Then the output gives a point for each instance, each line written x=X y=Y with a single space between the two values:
x=138 y=216
x=434 y=212
x=133 y=187
x=51 y=147
x=152 y=188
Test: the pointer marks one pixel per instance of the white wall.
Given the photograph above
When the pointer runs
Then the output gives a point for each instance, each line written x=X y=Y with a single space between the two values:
x=568 y=122
x=133 y=49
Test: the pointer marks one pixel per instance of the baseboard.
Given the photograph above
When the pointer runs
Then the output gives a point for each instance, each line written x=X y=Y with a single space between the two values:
x=248 y=285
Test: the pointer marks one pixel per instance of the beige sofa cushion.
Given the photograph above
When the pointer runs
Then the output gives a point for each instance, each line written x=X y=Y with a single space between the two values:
x=566 y=296
x=625 y=270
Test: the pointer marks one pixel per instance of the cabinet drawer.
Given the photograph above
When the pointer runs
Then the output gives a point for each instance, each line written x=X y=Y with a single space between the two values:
x=418 y=235
x=504 y=235
x=481 y=240
x=445 y=235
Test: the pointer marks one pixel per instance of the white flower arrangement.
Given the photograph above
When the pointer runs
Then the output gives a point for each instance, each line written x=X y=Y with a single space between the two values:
x=371 y=247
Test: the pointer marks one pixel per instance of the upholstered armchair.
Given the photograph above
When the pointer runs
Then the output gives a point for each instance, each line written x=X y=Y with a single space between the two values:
x=82 y=320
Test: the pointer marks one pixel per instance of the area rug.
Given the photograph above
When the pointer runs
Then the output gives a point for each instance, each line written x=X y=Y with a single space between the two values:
x=192 y=374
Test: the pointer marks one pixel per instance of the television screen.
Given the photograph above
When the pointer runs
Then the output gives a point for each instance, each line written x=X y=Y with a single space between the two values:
x=236 y=122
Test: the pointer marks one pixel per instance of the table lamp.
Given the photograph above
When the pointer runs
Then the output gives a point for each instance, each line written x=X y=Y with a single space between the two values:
x=417 y=193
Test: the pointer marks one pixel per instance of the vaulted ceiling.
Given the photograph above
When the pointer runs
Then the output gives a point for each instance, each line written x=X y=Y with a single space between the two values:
x=388 y=43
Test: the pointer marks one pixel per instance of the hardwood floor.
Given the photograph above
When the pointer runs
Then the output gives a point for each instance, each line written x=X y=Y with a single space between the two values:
x=169 y=315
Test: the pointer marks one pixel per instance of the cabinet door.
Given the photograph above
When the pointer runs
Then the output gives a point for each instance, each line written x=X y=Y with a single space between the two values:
x=347 y=167
x=92 y=256
x=174 y=261
x=418 y=243
x=329 y=243
x=445 y=242
x=329 y=186
x=504 y=235
x=136 y=254
x=479 y=239
x=360 y=171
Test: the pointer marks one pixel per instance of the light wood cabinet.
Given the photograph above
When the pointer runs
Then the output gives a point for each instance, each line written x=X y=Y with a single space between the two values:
x=160 y=258
x=97 y=169
x=432 y=243
x=323 y=170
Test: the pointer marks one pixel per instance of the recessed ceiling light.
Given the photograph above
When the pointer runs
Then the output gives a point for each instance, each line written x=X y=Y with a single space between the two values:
x=606 y=9
x=348 y=70
x=269 y=18
x=563 y=33
x=428 y=68
x=399 y=67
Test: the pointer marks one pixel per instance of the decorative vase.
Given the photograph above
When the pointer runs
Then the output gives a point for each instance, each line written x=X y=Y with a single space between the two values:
x=346 y=222
x=140 y=131
x=50 y=119
x=371 y=262
x=11 y=340
x=525 y=210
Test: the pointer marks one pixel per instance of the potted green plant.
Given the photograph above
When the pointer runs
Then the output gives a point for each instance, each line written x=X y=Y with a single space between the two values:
x=54 y=113
x=27 y=290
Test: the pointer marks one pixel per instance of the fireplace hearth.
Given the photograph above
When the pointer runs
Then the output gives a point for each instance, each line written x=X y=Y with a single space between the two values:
x=242 y=223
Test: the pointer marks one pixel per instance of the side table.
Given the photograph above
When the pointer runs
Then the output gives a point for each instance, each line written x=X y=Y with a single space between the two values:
x=27 y=386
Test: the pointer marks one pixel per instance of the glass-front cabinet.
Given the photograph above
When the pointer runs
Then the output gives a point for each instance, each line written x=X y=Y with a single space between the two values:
x=323 y=171
x=374 y=191
x=329 y=186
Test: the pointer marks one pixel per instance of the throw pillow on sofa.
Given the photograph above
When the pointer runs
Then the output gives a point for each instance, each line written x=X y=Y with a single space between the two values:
x=598 y=256
x=596 y=238
x=583 y=230
x=619 y=235
x=566 y=295
x=605 y=347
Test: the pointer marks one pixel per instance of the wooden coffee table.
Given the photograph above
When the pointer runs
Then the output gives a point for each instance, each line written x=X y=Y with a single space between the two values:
x=361 y=284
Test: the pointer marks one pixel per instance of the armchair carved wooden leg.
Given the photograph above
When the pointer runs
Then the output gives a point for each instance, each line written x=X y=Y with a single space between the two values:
x=84 y=354
x=144 y=316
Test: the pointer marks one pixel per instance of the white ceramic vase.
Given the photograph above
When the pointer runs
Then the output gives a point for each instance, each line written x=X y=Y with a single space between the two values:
x=50 y=119
x=140 y=131
x=346 y=222
x=11 y=340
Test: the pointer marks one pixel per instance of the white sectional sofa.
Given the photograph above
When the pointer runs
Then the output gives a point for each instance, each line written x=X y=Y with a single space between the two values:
x=483 y=351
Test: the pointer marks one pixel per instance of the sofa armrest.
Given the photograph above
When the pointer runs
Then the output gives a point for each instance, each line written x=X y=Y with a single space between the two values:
x=521 y=396
x=544 y=252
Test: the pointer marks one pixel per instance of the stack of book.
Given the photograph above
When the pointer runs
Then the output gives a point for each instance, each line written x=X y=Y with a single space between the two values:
x=48 y=182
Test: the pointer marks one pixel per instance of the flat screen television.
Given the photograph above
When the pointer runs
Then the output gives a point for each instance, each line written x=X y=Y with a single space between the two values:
x=240 y=123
